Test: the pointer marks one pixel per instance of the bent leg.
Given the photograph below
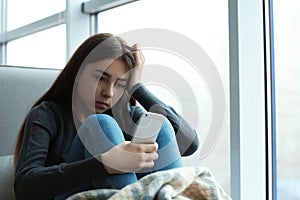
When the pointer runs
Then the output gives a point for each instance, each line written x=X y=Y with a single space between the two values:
x=169 y=155
x=168 y=152
x=98 y=134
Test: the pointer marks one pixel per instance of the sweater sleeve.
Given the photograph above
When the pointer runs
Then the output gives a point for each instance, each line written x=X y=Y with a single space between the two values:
x=34 y=178
x=186 y=136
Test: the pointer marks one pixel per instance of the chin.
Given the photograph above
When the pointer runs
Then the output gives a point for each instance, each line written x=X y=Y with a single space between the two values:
x=101 y=111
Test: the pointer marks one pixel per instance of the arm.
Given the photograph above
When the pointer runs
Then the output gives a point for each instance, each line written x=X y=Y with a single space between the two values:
x=186 y=136
x=187 y=139
x=35 y=178
x=41 y=172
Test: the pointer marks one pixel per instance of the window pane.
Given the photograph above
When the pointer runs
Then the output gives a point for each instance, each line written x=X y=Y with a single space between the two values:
x=20 y=13
x=204 y=22
x=43 y=49
x=287 y=72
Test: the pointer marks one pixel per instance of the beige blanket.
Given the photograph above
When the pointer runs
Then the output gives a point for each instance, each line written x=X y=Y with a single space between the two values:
x=181 y=183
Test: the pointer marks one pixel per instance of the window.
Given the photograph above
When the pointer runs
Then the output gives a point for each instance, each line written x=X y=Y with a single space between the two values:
x=287 y=48
x=43 y=49
x=20 y=13
x=33 y=33
x=195 y=21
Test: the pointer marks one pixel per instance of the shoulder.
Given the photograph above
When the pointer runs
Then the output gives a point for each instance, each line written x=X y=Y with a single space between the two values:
x=47 y=114
x=46 y=108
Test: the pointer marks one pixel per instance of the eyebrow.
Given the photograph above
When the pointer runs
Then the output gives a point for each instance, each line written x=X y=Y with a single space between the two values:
x=109 y=75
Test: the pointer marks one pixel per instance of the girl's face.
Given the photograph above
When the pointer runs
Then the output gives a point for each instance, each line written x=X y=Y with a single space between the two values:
x=100 y=85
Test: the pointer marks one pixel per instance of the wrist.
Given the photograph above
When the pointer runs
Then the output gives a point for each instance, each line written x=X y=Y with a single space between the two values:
x=106 y=165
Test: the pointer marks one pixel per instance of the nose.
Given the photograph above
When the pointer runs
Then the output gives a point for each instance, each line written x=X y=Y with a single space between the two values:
x=107 y=90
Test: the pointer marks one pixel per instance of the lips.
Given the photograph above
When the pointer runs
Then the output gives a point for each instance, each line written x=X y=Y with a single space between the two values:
x=100 y=104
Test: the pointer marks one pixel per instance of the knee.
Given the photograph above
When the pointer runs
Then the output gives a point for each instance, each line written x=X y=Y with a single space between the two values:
x=167 y=124
x=167 y=130
x=167 y=140
x=99 y=124
x=101 y=119
x=102 y=127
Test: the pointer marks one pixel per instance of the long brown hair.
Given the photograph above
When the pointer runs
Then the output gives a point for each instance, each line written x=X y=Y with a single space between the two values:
x=88 y=52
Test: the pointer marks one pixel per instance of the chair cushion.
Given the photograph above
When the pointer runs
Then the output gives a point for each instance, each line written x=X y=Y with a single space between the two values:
x=6 y=176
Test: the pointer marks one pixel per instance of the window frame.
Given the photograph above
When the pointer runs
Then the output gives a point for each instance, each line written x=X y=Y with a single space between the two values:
x=253 y=166
x=252 y=123
x=78 y=27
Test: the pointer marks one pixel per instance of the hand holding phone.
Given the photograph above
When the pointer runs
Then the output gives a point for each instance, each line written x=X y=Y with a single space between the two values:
x=147 y=128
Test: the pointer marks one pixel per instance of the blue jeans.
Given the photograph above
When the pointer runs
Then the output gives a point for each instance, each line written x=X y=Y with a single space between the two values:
x=99 y=133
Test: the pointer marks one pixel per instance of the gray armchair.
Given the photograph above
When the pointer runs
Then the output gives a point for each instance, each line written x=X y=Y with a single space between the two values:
x=19 y=88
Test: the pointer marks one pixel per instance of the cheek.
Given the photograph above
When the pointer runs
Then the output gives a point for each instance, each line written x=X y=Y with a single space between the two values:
x=98 y=90
x=86 y=91
x=118 y=93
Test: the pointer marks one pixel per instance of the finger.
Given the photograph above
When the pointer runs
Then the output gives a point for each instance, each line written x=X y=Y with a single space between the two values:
x=148 y=164
x=138 y=54
x=144 y=148
x=137 y=58
x=147 y=157
x=156 y=145
x=135 y=47
x=152 y=156
x=149 y=148
x=141 y=55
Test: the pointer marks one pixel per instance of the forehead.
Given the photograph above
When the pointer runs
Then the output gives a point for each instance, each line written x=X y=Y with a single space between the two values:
x=115 y=67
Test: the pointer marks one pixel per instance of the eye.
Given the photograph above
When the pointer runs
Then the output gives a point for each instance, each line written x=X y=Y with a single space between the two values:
x=121 y=85
x=101 y=79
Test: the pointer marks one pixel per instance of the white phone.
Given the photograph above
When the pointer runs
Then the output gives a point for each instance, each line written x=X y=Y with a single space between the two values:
x=147 y=128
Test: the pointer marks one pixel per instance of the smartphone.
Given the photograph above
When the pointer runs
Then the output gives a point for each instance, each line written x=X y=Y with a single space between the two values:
x=147 y=128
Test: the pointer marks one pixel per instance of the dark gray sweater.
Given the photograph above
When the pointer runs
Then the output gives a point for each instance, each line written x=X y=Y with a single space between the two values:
x=42 y=172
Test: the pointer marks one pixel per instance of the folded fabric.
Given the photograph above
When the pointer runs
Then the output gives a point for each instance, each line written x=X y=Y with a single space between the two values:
x=180 y=183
